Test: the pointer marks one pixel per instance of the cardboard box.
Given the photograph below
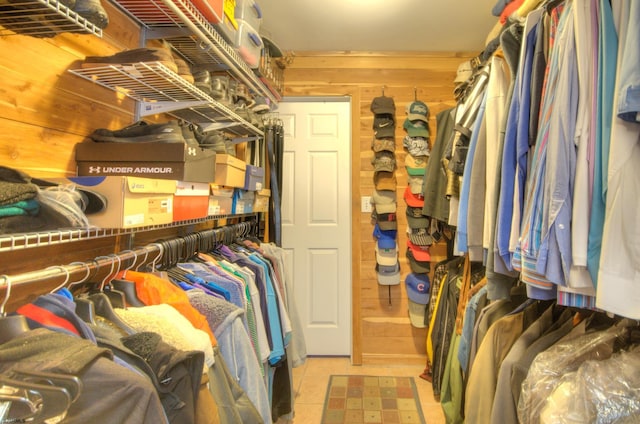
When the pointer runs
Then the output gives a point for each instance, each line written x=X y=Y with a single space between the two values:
x=229 y=171
x=253 y=178
x=221 y=200
x=131 y=201
x=243 y=201
x=190 y=201
x=172 y=161
x=261 y=202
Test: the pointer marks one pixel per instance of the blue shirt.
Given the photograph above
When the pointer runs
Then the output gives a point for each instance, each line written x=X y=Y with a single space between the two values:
x=607 y=59
x=277 y=349
x=516 y=141
x=463 y=205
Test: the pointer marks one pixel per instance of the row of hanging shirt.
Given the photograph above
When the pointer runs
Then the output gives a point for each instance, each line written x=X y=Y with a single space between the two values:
x=544 y=142
x=207 y=340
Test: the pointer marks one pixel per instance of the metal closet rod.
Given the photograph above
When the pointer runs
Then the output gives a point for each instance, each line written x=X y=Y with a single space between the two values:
x=79 y=272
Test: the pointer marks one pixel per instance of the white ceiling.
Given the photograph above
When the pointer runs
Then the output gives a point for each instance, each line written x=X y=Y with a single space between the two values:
x=378 y=25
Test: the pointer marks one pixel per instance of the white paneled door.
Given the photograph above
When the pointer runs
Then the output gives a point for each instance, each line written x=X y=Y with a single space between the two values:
x=316 y=217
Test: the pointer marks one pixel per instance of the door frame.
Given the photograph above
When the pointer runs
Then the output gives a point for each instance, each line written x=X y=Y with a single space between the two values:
x=353 y=96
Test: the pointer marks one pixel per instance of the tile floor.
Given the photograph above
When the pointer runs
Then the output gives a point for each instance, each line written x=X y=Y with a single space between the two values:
x=310 y=383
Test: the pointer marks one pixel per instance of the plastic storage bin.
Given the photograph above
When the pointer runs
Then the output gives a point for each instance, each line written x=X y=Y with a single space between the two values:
x=249 y=11
x=249 y=44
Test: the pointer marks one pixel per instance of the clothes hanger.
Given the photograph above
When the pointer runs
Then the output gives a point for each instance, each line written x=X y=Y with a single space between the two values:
x=125 y=286
x=39 y=402
x=71 y=383
x=116 y=297
x=11 y=326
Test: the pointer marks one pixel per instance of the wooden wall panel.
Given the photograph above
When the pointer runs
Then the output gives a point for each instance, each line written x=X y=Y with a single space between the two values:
x=382 y=332
x=44 y=109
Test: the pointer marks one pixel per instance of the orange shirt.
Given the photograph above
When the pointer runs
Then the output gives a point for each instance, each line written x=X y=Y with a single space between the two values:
x=153 y=290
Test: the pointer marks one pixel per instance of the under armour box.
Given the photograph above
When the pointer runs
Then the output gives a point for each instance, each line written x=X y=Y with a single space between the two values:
x=131 y=201
x=171 y=161
x=253 y=178
x=190 y=201
x=230 y=171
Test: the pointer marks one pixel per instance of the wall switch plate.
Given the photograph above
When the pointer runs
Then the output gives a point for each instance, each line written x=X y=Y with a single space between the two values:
x=365 y=205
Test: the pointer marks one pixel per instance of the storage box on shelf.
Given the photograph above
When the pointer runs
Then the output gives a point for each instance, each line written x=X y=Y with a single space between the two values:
x=248 y=44
x=190 y=201
x=174 y=161
x=253 y=178
x=131 y=201
x=230 y=171
x=243 y=201
x=249 y=11
x=261 y=202
x=220 y=200
x=212 y=10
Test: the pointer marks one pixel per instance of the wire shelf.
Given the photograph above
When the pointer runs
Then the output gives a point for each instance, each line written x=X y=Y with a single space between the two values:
x=204 y=47
x=161 y=90
x=21 y=241
x=42 y=18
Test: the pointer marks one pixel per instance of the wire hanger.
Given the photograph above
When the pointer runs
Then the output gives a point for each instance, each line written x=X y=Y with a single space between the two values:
x=13 y=325
x=66 y=280
x=415 y=94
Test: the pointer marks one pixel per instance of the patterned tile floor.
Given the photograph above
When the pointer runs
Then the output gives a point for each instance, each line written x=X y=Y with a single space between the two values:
x=310 y=384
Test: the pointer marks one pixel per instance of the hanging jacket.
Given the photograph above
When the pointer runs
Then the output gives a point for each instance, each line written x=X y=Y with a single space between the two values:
x=178 y=372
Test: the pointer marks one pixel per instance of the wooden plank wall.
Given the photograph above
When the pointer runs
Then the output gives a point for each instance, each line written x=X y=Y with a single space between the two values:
x=382 y=332
x=44 y=112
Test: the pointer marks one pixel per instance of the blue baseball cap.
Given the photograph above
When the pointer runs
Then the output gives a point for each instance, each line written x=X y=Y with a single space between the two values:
x=386 y=239
x=417 y=286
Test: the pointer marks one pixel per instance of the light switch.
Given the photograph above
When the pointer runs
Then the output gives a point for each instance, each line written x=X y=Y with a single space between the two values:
x=366 y=204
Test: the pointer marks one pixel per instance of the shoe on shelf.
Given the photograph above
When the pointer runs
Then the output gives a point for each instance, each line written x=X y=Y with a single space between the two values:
x=214 y=140
x=260 y=105
x=141 y=132
x=192 y=133
x=202 y=80
x=128 y=57
x=220 y=88
x=243 y=97
x=183 y=69
x=93 y=12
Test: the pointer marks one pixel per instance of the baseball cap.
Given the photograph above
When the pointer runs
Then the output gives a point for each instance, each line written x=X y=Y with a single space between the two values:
x=416 y=128
x=417 y=286
x=464 y=72
x=420 y=253
x=413 y=200
x=388 y=275
x=383 y=104
x=383 y=144
x=415 y=183
x=384 y=161
x=416 y=146
x=416 y=219
x=385 y=180
x=387 y=257
x=387 y=221
x=384 y=201
x=386 y=239
x=419 y=236
x=416 y=265
x=415 y=165
x=384 y=126
x=418 y=111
